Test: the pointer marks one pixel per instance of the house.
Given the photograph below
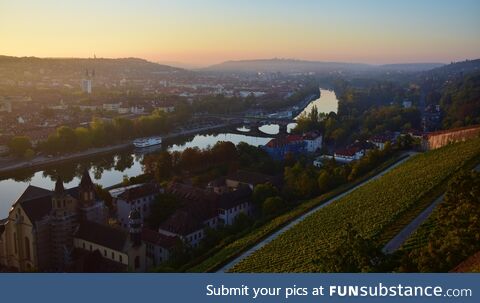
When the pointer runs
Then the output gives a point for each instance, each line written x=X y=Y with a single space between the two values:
x=199 y=210
x=115 y=245
x=278 y=148
x=158 y=246
x=112 y=107
x=407 y=103
x=380 y=140
x=251 y=179
x=318 y=162
x=204 y=208
x=166 y=109
x=88 y=107
x=234 y=203
x=348 y=154
x=313 y=141
x=138 y=196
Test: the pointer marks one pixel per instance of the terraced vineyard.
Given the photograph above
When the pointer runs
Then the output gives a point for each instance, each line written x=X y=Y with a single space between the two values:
x=370 y=209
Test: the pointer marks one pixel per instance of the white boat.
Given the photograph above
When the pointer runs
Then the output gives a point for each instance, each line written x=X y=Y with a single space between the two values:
x=147 y=142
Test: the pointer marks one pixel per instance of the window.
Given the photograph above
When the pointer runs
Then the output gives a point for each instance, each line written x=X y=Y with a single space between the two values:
x=120 y=258
x=113 y=255
x=105 y=252
x=27 y=248
x=83 y=244
x=15 y=242
x=137 y=262
x=91 y=247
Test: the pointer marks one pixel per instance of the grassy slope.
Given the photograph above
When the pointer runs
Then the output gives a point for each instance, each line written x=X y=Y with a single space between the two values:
x=371 y=209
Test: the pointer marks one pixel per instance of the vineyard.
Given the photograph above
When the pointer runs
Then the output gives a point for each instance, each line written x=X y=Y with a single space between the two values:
x=370 y=209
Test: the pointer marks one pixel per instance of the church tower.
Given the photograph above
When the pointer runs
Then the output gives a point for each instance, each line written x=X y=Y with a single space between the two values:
x=62 y=225
x=135 y=222
x=86 y=190
x=91 y=209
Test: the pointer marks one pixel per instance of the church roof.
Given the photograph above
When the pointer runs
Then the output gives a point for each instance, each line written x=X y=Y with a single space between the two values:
x=86 y=180
x=32 y=192
x=103 y=235
x=59 y=189
x=36 y=202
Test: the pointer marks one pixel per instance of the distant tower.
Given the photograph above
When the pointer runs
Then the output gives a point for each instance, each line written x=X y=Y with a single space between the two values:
x=135 y=222
x=87 y=83
x=86 y=190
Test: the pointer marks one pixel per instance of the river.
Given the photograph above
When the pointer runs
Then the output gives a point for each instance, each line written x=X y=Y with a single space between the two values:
x=109 y=170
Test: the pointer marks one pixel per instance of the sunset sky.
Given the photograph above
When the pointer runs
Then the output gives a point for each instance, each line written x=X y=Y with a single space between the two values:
x=207 y=32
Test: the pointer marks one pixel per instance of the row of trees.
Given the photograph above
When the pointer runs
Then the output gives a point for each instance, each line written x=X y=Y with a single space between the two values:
x=341 y=129
x=224 y=155
x=99 y=133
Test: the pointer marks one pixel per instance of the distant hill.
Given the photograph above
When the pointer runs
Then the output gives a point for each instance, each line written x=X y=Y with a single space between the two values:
x=411 y=67
x=31 y=68
x=462 y=67
x=303 y=66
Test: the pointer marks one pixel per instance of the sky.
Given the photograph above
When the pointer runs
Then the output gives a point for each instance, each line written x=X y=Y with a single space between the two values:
x=204 y=32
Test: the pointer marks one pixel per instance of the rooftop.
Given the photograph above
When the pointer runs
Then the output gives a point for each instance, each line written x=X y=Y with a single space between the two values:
x=103 y=235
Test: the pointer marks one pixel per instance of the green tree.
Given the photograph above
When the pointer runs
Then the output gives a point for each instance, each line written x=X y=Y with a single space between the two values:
x=19 y=145
x=355 y=254
x=66 y=138
x=84 y=138
x=263 y=191
x=272 y=205
x=164 y=169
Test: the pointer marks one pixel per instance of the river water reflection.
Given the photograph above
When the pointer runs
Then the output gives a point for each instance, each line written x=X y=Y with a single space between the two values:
x=110 y=169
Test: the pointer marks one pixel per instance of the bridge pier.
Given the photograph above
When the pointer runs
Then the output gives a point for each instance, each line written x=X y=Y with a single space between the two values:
x=282 y=128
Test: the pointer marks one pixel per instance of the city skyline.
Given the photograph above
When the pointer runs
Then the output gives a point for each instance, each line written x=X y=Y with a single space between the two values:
x=202 y=34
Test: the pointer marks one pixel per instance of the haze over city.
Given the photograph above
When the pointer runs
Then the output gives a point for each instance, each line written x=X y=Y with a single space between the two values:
x=202 y=33
x=239 y=137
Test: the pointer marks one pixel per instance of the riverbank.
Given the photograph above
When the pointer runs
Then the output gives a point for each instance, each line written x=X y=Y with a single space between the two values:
x=9 y=167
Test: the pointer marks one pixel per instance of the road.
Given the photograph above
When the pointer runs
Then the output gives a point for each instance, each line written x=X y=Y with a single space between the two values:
x=274 y=235
x=405 y=233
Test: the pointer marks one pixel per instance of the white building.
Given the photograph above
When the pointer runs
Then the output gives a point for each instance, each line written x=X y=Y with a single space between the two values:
x=112 y=107
x=137 y=196
x=348 y=154
x=87 y=82
x=204 y=208
x=158 y=246
x=166 y=109
x=88 y=107
x=313 y=141
x=407 y=104
x=87 y=86
x=137 y=110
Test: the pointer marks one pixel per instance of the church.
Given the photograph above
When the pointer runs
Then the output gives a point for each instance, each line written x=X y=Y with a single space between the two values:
x=45 y=231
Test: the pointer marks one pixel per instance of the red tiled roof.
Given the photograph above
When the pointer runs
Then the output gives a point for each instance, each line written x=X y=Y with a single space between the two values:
x=279 y=142
x=348 y=152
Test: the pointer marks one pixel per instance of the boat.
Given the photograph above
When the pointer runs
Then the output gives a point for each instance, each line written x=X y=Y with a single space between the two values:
x=147 y=142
